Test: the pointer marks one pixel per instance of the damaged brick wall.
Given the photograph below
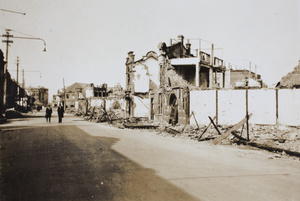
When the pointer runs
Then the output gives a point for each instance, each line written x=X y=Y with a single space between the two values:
x=175 y=80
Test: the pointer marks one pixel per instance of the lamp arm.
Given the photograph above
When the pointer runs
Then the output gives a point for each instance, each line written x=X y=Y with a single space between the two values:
x=33 y=39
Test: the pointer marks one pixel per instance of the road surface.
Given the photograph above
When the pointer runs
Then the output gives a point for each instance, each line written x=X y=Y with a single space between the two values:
x=80 y=160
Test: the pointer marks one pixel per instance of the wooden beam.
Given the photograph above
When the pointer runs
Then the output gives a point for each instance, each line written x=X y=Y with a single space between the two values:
x=217 y=107
x=196 y=120
x=206 y=128
x=186 y=123
x=227 y=133
x=247 y=116
x=239 y=137
x=213 y=123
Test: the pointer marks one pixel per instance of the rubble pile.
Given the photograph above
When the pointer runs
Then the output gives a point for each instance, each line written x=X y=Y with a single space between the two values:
x=99 y=114
x=140 y=123
x=283 y=137
x=118 y=118
x=269 y=137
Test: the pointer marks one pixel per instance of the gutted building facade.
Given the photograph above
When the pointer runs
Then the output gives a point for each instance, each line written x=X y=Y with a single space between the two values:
x=162 y=82
x=180 y=72
x=142 y=77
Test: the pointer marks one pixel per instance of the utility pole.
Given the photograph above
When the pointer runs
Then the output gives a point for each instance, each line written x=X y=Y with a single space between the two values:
x=7 y=41
x=64 y=94
x=18 y=70
x=18 y=88
x=4 y=73
x=247 y=102
x=23 y=84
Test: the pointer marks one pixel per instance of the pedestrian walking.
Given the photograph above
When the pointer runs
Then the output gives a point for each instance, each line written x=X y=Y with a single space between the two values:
x=60 y=112
x=48 y=114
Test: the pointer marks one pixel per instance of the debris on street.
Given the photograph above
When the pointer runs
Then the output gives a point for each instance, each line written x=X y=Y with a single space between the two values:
x=274 y=138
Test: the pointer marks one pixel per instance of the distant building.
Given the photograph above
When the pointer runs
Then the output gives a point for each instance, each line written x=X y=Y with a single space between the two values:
x=291 y=80
x=241 y=78
x=100 y=91
x=2 y=64
x=75 y=92
x=78 y=95
x=39 y=95
x=116 y=91
x=57 y=98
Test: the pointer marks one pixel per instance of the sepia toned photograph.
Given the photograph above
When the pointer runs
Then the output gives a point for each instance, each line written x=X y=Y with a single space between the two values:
x=113 y=100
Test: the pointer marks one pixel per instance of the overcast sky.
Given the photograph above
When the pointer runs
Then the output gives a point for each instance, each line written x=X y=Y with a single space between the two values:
x=88 y=41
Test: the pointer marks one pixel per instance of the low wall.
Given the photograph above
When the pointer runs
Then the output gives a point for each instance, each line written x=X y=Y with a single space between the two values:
x=231 y=106
x=203 y=104
x=262 y=104
x=289 y=107
x=268 y=106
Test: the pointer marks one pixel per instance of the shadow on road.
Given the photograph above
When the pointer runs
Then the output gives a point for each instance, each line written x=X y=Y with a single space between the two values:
x=65 y=163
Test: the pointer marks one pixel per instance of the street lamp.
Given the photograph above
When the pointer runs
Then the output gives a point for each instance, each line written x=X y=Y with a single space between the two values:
x=33 y=39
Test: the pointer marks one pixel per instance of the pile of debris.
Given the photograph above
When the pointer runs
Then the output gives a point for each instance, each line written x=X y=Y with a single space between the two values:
x=279 y=139
x=100 y=114
x=118 y=118
x=282 y=139
x=140 y=123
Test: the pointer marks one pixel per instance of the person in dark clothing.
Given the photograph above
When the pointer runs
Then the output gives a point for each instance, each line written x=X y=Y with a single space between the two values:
x=60 y=112
x=48 y=114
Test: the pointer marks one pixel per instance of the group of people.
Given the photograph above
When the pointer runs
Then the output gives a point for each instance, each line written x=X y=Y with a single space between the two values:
x=60 y=113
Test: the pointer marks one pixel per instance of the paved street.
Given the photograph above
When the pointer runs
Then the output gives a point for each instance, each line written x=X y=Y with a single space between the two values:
x=80 y=160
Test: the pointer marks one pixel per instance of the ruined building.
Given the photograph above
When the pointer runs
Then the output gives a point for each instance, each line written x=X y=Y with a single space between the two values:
x=181 y=72
x=291 y=80
x=241 y=78
x=79 y=92
x=40 y=95
x=158 y=86
x=142 y=77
